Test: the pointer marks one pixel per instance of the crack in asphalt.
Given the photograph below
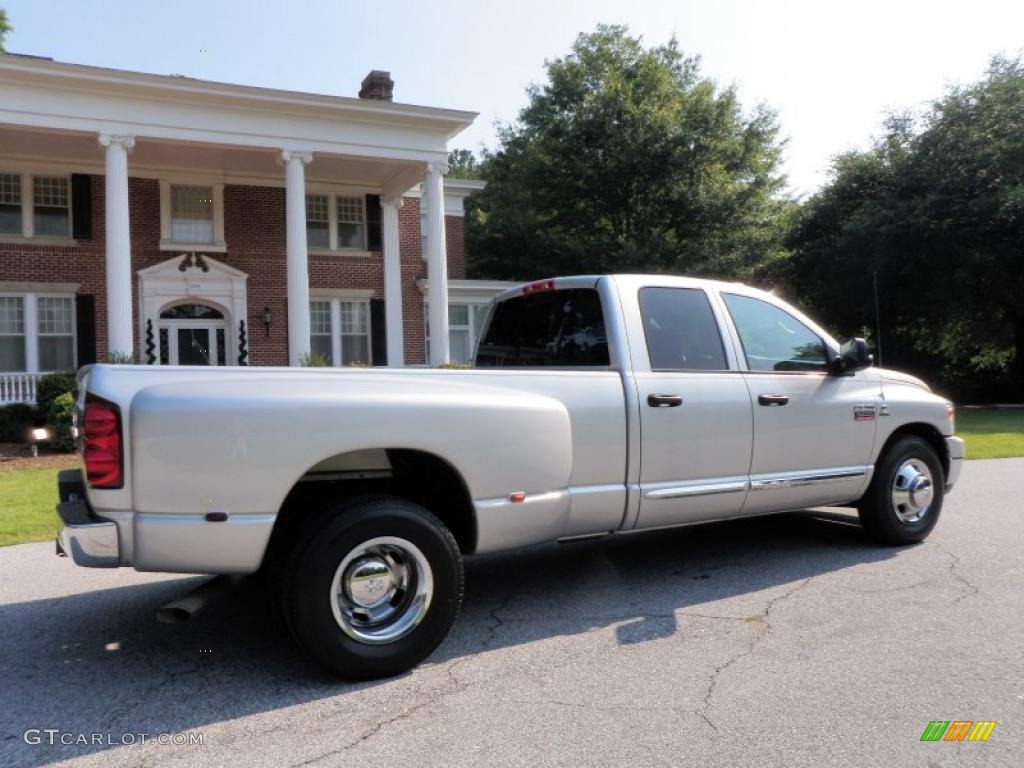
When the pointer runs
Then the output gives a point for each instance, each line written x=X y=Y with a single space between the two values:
x=169 y=676
x=764 y=629
x=954 y=571
x=367 y=734
x=457 y=686
x=499 y=622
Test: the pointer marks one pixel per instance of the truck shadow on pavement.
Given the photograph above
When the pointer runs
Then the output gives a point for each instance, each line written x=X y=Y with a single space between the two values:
x=98 y=661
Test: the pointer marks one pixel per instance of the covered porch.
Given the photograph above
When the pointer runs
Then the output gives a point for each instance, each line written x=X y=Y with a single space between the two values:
x=344 y=165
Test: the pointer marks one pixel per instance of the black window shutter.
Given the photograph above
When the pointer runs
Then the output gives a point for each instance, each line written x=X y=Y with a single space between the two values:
x=85 y=325
x=81 y=206
x=373 y=216
x=378 y=333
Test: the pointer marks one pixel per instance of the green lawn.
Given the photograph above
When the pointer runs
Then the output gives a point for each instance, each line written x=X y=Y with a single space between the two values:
x=27 y=501
x=991 y=434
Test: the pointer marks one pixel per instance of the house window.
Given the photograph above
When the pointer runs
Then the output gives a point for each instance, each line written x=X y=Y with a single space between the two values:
x=465 y=322
x=35 y=206
x=355 y=332
x=37 y=333
x=12 y=333
x=352 y=223
x=340 y=331
x=320 y=342
x=318 y=227
x=51 y=206
x=56 y=335
x=10 y=204
x=342 y=223
x=191 y=214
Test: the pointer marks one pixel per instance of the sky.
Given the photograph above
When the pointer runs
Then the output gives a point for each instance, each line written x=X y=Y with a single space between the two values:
x=830 y=69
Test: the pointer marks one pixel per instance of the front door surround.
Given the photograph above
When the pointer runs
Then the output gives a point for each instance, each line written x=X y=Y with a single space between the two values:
x=191 y=279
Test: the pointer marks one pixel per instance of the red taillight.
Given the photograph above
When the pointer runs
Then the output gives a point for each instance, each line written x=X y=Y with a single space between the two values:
x=101 y=440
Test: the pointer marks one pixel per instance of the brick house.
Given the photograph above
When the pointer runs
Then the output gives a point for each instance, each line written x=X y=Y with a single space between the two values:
x=180 y=221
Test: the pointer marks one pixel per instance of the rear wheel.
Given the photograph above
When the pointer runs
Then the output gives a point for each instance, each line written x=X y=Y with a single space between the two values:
x=371 y=589
x=904 y=500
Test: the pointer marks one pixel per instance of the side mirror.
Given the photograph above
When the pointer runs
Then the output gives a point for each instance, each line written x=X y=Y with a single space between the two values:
x=853 y=356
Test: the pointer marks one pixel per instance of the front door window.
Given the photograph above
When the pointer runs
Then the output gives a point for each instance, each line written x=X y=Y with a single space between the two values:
x=194 y=347
x=193 y=334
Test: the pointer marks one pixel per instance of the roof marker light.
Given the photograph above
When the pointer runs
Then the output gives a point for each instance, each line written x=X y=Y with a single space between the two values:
x=538 y=286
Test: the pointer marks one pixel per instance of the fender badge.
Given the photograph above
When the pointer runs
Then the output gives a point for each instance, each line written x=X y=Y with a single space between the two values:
x=863 y=413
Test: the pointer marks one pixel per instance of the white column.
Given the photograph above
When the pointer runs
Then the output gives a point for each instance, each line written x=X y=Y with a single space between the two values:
x=392 y=280
x=30 y=320
x=120 y=339
x=298 y=254
x=437 y=263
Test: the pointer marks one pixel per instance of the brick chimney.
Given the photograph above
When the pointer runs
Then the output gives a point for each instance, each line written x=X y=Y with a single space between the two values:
x=377 y=85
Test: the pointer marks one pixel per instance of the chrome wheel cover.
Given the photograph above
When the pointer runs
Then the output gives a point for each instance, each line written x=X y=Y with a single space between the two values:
x=381 y=590
x=912 y=491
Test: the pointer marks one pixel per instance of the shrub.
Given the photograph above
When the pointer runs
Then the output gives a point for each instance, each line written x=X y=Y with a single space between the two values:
x=58 y=421
x=310 y=360
x=50 y=387
x=15 y=422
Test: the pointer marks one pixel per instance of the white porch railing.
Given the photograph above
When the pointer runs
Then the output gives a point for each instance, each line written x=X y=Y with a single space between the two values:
x=18 y=387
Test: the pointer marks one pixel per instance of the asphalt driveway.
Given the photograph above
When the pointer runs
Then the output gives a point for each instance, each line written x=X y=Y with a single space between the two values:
x=785 y=641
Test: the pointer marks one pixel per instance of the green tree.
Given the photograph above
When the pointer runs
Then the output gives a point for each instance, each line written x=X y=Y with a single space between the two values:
x=627 y=158
x=936 y=208
x=5 y=27
x=462 y=164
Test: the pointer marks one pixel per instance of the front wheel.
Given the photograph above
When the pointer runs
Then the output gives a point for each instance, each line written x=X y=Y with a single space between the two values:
x=372 y=589
x=904 y=500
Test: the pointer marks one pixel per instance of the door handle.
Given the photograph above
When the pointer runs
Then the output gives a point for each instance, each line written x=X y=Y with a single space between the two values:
x=664 y=401
x=772 y=401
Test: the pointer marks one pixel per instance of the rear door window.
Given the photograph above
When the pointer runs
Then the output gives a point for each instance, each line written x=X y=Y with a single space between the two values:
x=681 y=331
x=552 y=328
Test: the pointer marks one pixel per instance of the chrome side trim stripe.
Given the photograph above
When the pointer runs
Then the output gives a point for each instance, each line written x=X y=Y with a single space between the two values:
x=800 y=479
x=707 y=489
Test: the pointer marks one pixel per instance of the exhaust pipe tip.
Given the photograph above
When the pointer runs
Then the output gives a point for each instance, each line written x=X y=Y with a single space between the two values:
x=192 y=602
x=171 y=614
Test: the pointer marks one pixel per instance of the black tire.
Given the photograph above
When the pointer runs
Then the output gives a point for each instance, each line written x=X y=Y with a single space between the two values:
x=314 y=557
x=883 y=519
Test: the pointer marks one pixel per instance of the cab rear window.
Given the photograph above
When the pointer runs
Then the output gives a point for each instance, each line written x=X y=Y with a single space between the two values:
x=547 y=329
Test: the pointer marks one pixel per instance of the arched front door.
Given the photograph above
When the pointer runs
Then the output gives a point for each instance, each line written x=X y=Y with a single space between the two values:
x=192 y=333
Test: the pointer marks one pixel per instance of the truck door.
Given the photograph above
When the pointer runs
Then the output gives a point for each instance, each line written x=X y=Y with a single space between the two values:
x=696 y=424
x=813 y=432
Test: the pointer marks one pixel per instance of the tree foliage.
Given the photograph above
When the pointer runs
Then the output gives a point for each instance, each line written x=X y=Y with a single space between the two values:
x=5 y=27
x=936 y=208
x=462 y=164
x=627 y=158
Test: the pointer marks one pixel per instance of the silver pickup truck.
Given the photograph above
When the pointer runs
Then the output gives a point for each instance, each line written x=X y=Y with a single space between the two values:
x=597 y=405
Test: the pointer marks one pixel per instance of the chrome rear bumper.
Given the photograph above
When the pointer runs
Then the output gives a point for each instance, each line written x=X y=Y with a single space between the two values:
x=90 y=541
x=956 y=451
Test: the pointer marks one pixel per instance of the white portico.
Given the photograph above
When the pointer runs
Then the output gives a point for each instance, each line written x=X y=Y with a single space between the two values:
x=194 y=135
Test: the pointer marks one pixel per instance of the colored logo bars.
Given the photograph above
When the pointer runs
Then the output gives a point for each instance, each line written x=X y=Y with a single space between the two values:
x=958 y=730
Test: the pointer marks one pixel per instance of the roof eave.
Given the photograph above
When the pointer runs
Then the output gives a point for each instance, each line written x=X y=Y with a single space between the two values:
x=85 y=77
